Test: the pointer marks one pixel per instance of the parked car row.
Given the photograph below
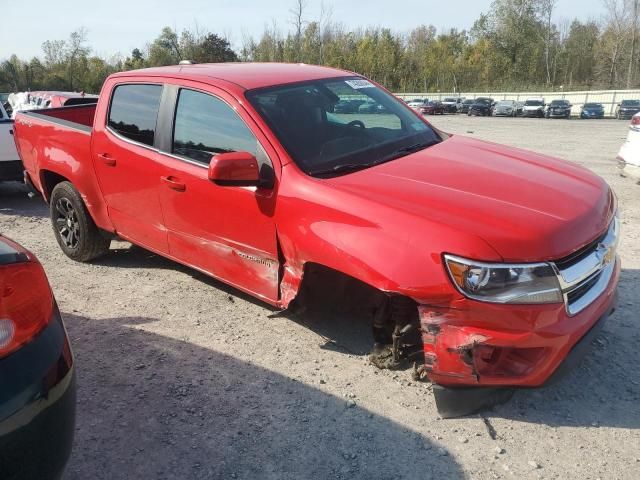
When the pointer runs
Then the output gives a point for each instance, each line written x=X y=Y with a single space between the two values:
x=532 y=107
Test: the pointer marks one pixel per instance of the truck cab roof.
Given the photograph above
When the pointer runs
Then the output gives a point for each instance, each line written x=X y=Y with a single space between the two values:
x=247 y=76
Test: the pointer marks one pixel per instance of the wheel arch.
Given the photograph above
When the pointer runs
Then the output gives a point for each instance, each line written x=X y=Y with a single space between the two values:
x=88 y=191
x=48 y=181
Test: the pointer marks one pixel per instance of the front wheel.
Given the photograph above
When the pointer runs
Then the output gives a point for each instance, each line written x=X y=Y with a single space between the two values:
x=75 y=231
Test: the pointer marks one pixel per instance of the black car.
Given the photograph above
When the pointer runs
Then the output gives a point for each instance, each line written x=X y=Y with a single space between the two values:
x=37 y=381
x=347 y=106
x=371 y=107
x=627 y=109
x=592 y=110
x=559 y=109
x=481 y=106
x=465 y=105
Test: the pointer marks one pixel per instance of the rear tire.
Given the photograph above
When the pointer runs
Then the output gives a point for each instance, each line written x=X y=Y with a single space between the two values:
x=76 y=233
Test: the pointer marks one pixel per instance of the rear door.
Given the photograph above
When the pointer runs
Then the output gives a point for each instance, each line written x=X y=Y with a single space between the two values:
x=228 y=232
x=128 y=165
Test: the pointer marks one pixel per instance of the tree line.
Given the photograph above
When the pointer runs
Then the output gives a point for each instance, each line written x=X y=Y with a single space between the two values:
x=515 y=45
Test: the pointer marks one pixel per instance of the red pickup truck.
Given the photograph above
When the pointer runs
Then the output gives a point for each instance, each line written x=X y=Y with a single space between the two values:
x=501 y=261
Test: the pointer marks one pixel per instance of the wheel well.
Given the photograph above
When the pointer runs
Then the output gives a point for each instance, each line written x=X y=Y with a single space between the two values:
x=394 y=319
x=49 y=181
x=322 y=286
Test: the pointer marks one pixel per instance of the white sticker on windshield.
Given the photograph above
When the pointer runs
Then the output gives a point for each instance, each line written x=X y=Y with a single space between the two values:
x=357 y=84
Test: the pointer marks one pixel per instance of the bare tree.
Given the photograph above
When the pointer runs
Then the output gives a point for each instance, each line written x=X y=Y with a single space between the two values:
x=324 y=22
x=617 y=29
x=297 y=18
x=634 y=30
x=76 y=51
x=546 y=8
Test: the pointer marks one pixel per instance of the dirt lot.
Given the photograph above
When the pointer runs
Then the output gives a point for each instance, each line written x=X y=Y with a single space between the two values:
x=181 y=377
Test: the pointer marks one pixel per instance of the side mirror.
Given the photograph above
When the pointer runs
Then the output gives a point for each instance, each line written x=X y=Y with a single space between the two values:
x=234 y=169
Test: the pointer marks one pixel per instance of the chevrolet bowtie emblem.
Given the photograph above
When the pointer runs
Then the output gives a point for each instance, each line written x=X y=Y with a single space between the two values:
x=605 y=254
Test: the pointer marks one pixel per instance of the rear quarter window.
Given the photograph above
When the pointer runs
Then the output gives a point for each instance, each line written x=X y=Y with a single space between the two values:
x=134 y=111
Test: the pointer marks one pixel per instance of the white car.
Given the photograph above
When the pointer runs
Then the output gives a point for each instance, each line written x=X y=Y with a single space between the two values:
x=629 y=155
x=533 y=107
x=417 y=103
x=10 y=163
x=21 y=101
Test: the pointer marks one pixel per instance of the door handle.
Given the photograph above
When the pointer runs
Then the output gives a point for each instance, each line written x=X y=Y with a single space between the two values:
x=173 y=184
x=107 y=159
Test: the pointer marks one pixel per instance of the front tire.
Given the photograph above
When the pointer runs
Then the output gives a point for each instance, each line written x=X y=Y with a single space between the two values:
x=75 y=231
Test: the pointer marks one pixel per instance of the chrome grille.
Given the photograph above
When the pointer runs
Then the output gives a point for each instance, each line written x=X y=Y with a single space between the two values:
x=585 y=274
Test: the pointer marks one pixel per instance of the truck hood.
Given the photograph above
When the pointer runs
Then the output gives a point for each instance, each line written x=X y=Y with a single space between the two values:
x=527 y=206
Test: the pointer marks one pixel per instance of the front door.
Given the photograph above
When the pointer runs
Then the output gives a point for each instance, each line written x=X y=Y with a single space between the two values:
x=228 y=232
x=129 y=167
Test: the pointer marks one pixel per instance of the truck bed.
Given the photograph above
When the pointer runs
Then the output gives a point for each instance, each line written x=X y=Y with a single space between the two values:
x=55 y=136
x=77 y=116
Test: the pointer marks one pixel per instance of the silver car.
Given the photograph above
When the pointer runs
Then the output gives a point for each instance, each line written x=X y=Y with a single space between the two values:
x=506 y=108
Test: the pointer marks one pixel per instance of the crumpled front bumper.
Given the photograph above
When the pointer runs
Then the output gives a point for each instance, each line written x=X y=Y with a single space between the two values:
x=476 y=352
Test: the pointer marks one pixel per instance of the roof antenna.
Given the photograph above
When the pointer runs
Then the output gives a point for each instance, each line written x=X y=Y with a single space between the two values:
x=187 y=62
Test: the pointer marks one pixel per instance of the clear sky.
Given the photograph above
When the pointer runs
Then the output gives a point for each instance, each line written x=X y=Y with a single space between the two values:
x=118 y=26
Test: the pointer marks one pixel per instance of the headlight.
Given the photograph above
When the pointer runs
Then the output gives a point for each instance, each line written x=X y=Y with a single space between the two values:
x=504 y=283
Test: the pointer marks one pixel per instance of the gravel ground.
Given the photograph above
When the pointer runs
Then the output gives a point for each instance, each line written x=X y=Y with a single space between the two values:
x=181 y=377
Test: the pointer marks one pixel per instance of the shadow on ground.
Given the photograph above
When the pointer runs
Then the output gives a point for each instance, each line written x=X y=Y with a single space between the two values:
x=14 y=200
x=200 y=414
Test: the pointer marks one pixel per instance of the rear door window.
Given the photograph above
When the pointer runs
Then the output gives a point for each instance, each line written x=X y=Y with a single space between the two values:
x=134 y=111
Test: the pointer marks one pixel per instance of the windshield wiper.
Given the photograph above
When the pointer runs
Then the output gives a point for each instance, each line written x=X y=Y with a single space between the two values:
x=342 y=168
x=407 y=150
x=354 y=167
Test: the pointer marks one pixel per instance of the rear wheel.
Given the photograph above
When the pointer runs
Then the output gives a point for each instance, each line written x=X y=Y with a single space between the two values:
x=75 y=231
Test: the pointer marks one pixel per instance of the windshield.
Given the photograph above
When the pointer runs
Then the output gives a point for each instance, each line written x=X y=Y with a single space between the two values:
x=533 y=103
x=631 y=103
x=505 y=103
x=323 y=140
x=483 y=101
x=592 y=105
x=451 y=100
x=559 y=103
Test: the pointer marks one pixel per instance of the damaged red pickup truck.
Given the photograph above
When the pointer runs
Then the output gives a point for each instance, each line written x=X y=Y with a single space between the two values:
x=501 y=261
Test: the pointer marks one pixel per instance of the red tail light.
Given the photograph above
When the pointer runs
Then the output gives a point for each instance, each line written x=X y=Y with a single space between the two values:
x=26 y=304
x=635 y=121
